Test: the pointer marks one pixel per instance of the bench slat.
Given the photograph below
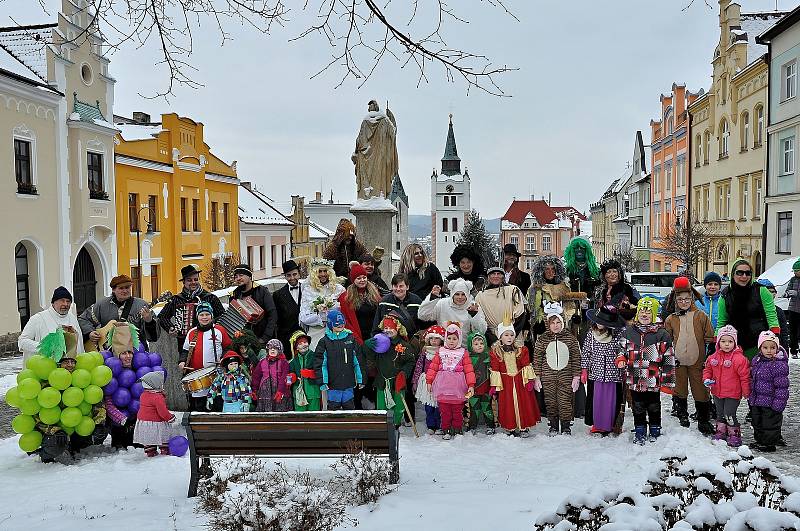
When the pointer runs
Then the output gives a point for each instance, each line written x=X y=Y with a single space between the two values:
x=266 y=427
x=289 y=452
x=257 y=435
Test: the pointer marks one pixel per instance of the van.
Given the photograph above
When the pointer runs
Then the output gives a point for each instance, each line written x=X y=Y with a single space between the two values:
x=657 y=285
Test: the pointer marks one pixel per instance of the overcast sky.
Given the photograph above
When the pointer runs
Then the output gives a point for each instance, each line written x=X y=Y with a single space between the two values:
x=590 y=75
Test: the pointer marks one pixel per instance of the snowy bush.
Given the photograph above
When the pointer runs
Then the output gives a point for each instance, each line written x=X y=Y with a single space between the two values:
x=740 y=493
x=363 y=478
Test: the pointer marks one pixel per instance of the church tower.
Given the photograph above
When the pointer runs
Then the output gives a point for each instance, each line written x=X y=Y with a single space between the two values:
x=450 y=203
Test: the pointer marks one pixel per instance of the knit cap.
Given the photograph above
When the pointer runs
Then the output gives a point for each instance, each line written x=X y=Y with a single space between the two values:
x=276 y=344
x=61 y=293
x=766 y=283
x=356 y=271
x=712 y=276
x=767 y=335
x=335 y=318
x=649 y=304
x=681 y=285
x=796 y=265
x=729 y=331
x=204 y=307
x=153 y=380
x=454 y=328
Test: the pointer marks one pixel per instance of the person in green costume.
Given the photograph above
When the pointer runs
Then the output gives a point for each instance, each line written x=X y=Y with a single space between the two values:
x=480 y=404
x=305 y=390
x=393 y=366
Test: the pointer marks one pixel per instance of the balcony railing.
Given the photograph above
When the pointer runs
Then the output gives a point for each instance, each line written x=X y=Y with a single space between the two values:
x=98 y=194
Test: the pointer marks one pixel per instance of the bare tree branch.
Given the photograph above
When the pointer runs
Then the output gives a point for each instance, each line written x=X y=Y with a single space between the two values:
x=689 y=243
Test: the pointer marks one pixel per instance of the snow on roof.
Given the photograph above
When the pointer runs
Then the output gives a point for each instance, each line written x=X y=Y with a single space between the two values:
x=754 y=24
x=132 y=132
x=27 y=44
x=316 y=231
x=10 y=63
x=256 y=211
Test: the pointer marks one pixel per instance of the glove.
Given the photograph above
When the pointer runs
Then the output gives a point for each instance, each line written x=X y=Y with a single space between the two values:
x=537 y=384
x=400 y=382
x=493 y=391
x=129 y=421
x=620 y=361
x=529 y=386
x=709 y=382
x=370 y=343
x=576 y=382
x=308 y=373
x=290 y=379
x=584 y=375
x=277 y=396
x=790 y=293
x=323 y=387
x=776 y=330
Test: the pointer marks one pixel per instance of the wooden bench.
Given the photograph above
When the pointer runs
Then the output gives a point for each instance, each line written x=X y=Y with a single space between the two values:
x=290 y=434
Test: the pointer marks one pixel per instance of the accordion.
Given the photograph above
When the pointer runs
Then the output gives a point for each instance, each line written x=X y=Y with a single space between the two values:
x=183 y=321
x=240 y=313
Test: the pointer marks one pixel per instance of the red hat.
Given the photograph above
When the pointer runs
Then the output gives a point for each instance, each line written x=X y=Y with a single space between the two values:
x=356 y=271
x=681 y=284
x=228 y=356
x=435 y=331
x=390 y=321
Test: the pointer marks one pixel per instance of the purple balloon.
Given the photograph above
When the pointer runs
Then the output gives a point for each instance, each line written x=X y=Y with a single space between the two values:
x=107 y=354
x=126 y=378
x=136 y=390
x=382 y=343
x=121 y=397
x=178 y=445
x=115 y=365
x=110 y=387
x=133 y=407
x=155 y=359
x=140 y=359
x=160 y=368
x=141 y=371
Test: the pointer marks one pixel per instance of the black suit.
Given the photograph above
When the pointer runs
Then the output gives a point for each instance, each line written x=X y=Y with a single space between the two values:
x=288 y=315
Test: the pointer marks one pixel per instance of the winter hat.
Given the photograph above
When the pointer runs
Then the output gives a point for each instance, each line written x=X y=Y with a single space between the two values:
x=459 y=284
x=204 y=307
x=276 y=344
x=392 y=320
x=767 y=335
x=766 y=283
x=649 y=304
x=230 y=356
x=61 y=293
x=495 y=269
x=356 y=271
x=153 y=380
x=712 y=276
x=612 y=263
x=471 y=337
x=796 y=265
x=553 y=310
x=454 y=328
x=507 y=325
x=730 y=331
x=435 y=331
x=681 y=285
x=335 y=318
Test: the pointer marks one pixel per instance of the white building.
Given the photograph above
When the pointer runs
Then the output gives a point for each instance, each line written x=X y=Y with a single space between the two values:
x=450 y=200
x=327 y=214
x=265 y=234
x=399 y=199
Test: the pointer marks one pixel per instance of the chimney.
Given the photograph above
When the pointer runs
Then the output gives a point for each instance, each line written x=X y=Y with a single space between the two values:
x=141 y=117
x=330 y=201
x=549 y=198
x=318 y=197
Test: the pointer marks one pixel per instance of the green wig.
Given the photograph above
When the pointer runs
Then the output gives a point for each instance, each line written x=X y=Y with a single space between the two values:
x=569 y=257
x=53 y=345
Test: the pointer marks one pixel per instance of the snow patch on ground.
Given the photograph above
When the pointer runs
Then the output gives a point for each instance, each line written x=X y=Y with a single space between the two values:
x=7 y=382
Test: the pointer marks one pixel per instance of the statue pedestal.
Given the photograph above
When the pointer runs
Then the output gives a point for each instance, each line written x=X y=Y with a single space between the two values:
x=374 y=228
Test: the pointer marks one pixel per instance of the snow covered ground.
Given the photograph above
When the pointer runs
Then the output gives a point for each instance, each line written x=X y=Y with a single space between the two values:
x=470 y=483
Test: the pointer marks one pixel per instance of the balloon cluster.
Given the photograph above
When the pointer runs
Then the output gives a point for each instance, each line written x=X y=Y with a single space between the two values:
x=124 y=387
x=57 y=397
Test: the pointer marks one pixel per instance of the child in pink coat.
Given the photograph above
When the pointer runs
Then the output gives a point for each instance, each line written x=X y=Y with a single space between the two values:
x=727 y=373
x=452 y=380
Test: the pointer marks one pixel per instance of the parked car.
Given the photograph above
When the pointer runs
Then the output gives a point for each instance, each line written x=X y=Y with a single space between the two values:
x=656 y=285
x=779 y=274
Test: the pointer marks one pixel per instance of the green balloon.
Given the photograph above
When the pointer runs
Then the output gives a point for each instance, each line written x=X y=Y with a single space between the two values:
x=23 y=424
x=29 y=388
x=71 y=397
x=71 y=417
x=50 y=415
x=30 y=441
x=101 y=375
x=67 y=430
x=25 y=373
x=29 y=406
x=48 y=397
x=81 y=378
x=12 y=397
x=98 y=358
x=85 y=361
x=93 y=394
x=60 y=378
x=85 y=407
x=42 y=366
x=85 y=427
x=32 y=361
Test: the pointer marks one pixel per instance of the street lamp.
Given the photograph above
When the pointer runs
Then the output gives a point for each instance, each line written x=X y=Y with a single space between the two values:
x=151 y=215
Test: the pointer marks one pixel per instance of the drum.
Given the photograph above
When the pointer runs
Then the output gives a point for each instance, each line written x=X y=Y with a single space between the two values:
x=199 y=380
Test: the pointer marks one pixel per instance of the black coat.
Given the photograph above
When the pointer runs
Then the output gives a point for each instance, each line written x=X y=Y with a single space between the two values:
x=406 y=309
x=180 y=300
x=421 y=287
x=264 y=329
x=520 y=279
x=288 y=314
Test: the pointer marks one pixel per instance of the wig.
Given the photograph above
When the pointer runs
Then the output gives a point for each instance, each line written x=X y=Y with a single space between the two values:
x=572 y=264
x=537 y=271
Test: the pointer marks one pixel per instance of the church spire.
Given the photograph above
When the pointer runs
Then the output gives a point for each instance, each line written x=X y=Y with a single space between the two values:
x=451 y=164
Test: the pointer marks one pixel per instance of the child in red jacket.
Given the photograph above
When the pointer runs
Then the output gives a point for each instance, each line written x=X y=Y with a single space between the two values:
x=153 y=421
x=727 y=373
x=452 y=380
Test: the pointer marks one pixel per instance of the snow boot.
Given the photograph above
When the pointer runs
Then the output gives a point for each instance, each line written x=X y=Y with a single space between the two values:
x=150 y=451
x=704 y=417
x=639 y=435
x=683 y=412
x=448 y=435
x=722 y=431
x=734 y=436
x=525 y=433
x=655 y=433
x=565 y=427
x=553 y=427
x=674 y=410
x=164 y=449
x=490 y=431
x=431 y=431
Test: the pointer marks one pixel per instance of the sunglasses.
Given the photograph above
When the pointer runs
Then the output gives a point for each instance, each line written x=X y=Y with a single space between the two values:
x=683 y=299
x=743 y=273
x=418 y=254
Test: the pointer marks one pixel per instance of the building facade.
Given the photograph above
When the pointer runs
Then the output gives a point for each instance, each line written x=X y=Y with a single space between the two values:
x=265 y=234
x=56 y=97
x=782 y=208
x=450 y=203
x=174 y=195
x=638 y=205
x=399 y=199
x=728 y=154
x=670 y=172
x=327 y=214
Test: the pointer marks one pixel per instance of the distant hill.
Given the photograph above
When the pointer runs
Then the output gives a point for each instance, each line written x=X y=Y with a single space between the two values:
x=419 y=225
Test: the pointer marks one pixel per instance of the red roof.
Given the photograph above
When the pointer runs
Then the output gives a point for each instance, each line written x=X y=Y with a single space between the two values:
x=519 y=210
x=560 y=209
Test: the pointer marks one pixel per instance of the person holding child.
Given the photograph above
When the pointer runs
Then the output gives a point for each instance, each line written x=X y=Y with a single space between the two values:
x=727 y=374
x=769 y=391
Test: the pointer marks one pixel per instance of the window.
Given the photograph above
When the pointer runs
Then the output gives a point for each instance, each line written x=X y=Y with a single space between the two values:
x=670 y=125
x=546 y=242
x=706 y=203
x=195 y=219
x=528 y=264
x=447 y=200
x=757 y=198
x=515 y=241
x=724 y=134
x=759 y=136
x=262 y=253
x=152 y=202
x=154 y=288
x=23 y=167
x=657 y=226
x=697 y=212
x=214 y=227
x=444 y=224
x=226 y=226
x=698 y=151
x=744 y=196
x=455 y=225
x=789 y=84
x=787 y=159
x=452 y=200
x=784 y=244
x=657 y=179
x=136 y=277
x=251 y=256
x=530 y=242
x=706 y=147
x=681 y=173
x=274 y=254
x=745 y=125
x=94 y=165
x=668 y=176
x=133 y=212
x=184 y=227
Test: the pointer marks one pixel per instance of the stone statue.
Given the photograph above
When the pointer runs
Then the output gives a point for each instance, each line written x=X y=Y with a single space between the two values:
x=375 y=156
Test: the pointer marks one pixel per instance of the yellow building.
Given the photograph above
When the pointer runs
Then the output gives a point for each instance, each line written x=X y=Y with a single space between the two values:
x=181 y=197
